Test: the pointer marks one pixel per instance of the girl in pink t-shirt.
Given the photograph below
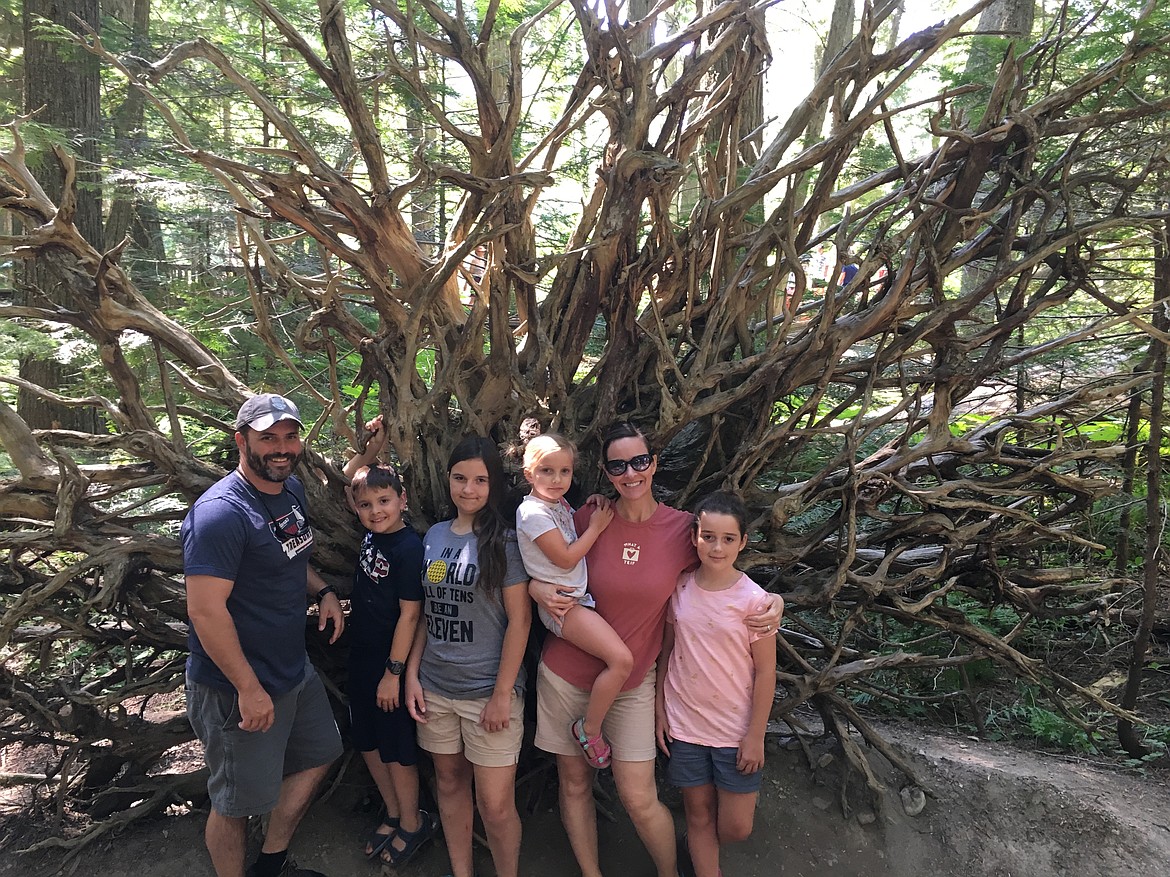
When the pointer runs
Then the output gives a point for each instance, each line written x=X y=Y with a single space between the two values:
x=713 y=700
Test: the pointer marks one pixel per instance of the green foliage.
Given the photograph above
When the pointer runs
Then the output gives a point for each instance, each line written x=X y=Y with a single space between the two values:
x=1029 y=718
x=19 y=342
x=964 y=423
x=425 y=363
x=1108 y=432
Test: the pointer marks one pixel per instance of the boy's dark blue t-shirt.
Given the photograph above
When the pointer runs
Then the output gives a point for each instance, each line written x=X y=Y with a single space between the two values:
x=389 y=569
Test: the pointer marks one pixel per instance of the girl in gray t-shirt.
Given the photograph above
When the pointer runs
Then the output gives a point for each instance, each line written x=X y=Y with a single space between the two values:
x=464 y=678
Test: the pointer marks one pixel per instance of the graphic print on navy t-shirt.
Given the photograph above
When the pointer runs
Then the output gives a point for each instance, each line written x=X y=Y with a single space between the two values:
x=450 y=584
x=292 y=530
x=373 y=562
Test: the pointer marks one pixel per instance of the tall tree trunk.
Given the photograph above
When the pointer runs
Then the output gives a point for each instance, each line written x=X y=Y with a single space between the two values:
x=841 y=28
x=895 y=24
x=424 y=219
x=129 y=214
x=1133 y=421
x=64 y=82
x=1155 y=517
x=1012 y=19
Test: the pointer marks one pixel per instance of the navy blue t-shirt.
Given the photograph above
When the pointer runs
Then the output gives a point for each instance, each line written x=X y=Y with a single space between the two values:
x=389 y=569
x=262 y=543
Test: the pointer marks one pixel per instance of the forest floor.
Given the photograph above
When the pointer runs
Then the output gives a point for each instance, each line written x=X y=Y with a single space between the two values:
x=992 y=811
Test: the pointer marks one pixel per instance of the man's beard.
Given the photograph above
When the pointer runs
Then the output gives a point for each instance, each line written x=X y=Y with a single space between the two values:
x=258 y=465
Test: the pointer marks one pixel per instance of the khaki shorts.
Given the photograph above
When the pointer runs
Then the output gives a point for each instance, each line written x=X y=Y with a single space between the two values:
x=628 y=726
x=453 y=726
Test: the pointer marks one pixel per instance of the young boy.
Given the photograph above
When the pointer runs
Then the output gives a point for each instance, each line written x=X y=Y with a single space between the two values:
x=385 y=607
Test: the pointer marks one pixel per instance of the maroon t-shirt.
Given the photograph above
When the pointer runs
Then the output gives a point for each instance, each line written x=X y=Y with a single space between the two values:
x=633 y=569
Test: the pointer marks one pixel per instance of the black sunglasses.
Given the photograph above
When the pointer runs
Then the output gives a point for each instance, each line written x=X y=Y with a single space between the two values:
x=639 y=463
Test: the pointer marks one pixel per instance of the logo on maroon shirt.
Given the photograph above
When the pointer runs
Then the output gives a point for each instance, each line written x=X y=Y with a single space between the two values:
x=630 y=553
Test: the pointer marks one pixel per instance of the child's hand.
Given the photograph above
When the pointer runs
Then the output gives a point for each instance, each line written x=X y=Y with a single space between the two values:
x=416 y=704
x=599 y=501
x=601 y=518
x=389 y=692
x=750 y=757
x=497 y=714
x=378 y=435
x=331 y=611
x=662 y=729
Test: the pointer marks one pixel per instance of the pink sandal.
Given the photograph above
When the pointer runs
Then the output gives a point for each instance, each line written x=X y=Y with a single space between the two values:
x=597 y=751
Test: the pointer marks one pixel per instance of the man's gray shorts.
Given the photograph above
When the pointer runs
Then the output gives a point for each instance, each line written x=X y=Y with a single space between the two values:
x=248 y=767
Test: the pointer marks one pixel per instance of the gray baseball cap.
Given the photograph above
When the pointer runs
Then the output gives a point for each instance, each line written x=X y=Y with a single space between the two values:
x=262 y=411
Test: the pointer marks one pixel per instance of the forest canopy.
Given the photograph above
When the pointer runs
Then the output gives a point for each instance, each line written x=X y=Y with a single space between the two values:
x=915 y=317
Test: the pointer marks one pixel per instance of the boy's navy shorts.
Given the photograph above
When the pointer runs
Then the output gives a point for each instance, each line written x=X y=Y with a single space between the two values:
x=392 y=733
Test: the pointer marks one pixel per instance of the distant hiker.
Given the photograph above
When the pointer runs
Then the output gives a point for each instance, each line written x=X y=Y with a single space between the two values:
x=253 y=698
x=716 y=687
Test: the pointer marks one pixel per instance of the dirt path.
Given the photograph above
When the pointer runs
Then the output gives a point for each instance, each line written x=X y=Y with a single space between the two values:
x=995 y=812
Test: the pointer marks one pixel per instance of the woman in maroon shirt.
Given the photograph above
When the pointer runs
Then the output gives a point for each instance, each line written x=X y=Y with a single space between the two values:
x=633 y=568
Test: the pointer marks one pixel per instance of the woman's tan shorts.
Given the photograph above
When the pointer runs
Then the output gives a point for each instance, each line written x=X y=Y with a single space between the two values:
x=628 y=726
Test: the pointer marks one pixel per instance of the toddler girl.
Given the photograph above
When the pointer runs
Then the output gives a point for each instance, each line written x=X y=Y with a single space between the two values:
x=553 y=552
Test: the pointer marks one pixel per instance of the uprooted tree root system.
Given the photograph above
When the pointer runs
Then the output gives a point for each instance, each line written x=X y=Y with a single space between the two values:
x=939 y=453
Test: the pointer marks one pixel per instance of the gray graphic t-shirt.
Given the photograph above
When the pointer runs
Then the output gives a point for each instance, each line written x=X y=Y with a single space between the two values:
x=465 y=626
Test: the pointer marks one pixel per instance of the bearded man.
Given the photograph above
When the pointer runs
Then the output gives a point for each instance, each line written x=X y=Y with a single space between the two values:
x=253 y=698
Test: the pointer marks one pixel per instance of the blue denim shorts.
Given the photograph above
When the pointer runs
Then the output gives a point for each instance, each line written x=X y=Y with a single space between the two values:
x=693 y=765
x=246 y=768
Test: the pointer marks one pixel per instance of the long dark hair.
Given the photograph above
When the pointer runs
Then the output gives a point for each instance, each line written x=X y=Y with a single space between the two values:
x=489 y=526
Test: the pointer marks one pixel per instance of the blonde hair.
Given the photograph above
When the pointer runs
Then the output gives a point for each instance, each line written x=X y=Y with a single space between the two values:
x=546 y=443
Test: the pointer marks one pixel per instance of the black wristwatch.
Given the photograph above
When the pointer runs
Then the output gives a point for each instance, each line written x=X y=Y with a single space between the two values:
x=395 y=667
x=328 y=589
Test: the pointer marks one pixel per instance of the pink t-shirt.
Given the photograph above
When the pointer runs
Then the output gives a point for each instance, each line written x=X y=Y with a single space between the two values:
x=633 y=568
x=711 y=676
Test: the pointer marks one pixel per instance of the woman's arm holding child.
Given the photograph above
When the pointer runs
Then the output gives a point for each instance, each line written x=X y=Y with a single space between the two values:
x=517 y=606
x=767 y=620
x=750 y=757
x=550 y=597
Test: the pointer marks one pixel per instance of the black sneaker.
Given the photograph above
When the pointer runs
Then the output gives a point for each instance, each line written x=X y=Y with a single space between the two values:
x=290 y=869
